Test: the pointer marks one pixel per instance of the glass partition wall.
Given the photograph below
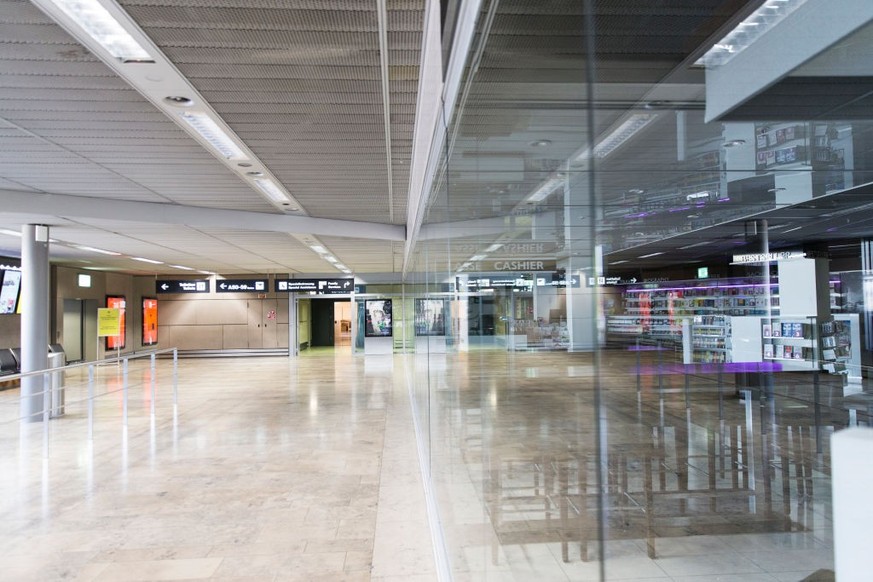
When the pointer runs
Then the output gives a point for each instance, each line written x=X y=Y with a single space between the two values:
x=606 y=270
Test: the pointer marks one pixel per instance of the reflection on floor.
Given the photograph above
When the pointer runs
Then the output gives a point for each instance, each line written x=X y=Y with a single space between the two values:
x=307 y=469
x=698 y=484
x=272 y=469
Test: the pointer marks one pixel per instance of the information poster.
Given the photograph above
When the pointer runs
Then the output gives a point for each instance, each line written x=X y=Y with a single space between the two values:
x=149 y=321
x=9 y=292
x=108 y=322
x=378 y=318
x=430 y=317
x=116 y=342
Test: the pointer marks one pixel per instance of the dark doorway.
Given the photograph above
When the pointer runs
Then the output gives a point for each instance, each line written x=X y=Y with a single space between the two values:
x=322 y=322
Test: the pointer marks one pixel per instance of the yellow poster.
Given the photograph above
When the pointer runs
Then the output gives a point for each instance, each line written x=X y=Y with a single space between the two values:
x=108 y=322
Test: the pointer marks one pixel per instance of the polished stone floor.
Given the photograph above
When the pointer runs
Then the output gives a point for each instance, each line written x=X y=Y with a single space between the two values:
x=308 y=469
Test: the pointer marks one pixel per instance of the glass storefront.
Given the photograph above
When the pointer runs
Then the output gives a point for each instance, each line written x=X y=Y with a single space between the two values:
x=615 y=398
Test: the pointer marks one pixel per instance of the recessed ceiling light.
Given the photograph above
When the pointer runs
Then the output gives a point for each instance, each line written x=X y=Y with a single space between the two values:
x=96 y=250
x=244 y=165
x=179 y=101
x=319 y=249
x=541 y=143
x=213 y=134
x=101 y=26
x=254 y=173
x=734 y=143
x=270 y=188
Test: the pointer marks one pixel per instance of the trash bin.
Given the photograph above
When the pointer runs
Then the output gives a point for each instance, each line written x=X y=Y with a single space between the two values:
x=57 y=360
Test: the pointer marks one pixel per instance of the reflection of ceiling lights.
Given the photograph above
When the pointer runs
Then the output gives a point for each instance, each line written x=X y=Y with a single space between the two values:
x=494 y=247
x=650 y=255
x=182 y=267
x=142 y=260
x=541 y=143
x=100 y=25
x=771 y=13
x=209 y=130
x=545 y=190
x=619 y=136
x=734 y=143
x=10 y=232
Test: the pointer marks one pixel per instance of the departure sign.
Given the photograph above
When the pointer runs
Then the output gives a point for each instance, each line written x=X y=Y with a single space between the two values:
x=241 y=286
x=183 y=286
x=317 y=286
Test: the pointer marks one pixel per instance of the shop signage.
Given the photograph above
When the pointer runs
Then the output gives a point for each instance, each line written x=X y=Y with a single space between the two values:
x=241 y=285
x=316 y=286
x=183 y=286
x=517 y=265
x=750 y=258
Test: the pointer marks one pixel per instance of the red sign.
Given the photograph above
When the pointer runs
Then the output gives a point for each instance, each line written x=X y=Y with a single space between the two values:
x=116 y=342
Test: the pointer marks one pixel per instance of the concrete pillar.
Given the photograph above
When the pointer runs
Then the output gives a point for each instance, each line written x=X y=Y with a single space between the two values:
x=34 y=316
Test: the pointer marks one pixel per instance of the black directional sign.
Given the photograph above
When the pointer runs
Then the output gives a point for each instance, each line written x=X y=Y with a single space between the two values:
x=183 y=286
x=241 y=286
x=318 y=286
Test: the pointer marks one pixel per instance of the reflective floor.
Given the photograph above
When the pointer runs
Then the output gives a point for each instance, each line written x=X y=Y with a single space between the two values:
x=271 y=469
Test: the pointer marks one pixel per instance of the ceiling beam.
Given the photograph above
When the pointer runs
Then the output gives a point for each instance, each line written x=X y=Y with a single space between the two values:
x=62 y=205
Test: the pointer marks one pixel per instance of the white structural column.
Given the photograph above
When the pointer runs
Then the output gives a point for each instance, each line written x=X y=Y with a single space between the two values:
x=293 y=342
x=582 y=300
x=852 y=473
x=34 y=316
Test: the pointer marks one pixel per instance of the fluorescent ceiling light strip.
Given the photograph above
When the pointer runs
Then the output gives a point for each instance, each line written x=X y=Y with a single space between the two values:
x=748 y=31
x=96 y=250
x=494 y=247
x=650 y=255
x=182 y=267
x=93 y=18
x=270 y=188
x=477 y=257
x=210 y=131
x=10 y=232
x=142 y=260
x=331 y=258
x=700 y=244
x=319 y=249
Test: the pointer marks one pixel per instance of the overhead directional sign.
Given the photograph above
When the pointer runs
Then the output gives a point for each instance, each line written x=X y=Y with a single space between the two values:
x=183 y=286
x=558 y=279
x=610 y=281
x=241 y=286
x=317 y=286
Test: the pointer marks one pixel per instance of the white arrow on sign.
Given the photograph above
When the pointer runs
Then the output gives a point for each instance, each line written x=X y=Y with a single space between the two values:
x=223 y=285
x=165 y=286
x=346 y=285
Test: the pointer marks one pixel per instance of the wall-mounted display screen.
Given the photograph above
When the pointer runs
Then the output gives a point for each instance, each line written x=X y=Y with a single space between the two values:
x=149 y=321
x=10 y=291
x=116 y=342
x=430 y=317
x=378 y=318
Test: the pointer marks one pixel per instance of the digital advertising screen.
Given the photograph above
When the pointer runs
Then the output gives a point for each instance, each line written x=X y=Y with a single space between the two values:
x=116 y=342
x=9 y=292
x=430 y=317
x=149 y=321
x=378 y=318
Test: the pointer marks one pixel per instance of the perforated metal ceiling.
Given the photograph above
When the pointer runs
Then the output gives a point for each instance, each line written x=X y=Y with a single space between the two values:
x=300 y=82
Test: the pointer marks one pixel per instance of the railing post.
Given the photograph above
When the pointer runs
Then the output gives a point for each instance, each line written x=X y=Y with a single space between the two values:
x=124 y=393
x=91 y=402
x=175 y=378
x=46 y=409
x=153 y=374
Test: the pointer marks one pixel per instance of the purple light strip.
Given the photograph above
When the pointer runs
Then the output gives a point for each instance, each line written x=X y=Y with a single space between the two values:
x=704 y=287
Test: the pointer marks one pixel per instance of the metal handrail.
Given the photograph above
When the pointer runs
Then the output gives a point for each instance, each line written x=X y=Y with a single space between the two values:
x=112 y=360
